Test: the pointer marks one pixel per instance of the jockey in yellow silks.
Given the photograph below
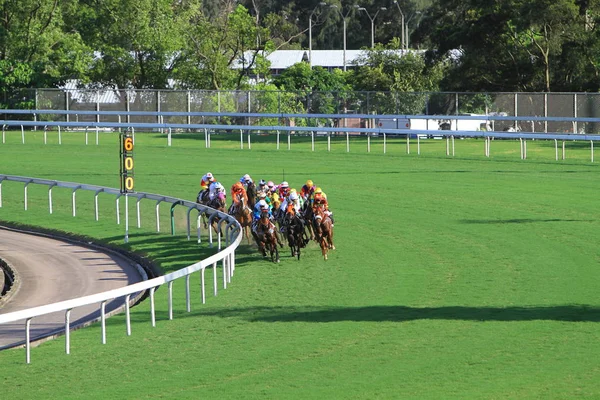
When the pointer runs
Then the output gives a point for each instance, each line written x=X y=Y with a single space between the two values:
x=320 y=198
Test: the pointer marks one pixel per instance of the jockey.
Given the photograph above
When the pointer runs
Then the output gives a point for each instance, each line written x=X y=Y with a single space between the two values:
x=238 y=188
x=262 y=186
x=320 y=198
x=246 y=180
x=307 y=190
x=293 y=198
x=284 y=190
x=299 y=200
x=263 y=196
x=274 y=195
x=259 y=208
x=207 y=179
x=214 y=189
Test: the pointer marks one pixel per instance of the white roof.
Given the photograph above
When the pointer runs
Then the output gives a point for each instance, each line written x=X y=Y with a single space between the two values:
x=282 y=59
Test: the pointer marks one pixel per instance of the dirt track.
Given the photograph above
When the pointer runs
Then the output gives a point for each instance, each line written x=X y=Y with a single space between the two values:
x=51 y=270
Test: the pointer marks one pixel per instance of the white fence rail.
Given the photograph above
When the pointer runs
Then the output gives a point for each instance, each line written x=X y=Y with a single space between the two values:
x=227 y=227
x=245 y=131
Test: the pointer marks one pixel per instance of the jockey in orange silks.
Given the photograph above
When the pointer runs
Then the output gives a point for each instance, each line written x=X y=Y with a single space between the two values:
x=236 y=189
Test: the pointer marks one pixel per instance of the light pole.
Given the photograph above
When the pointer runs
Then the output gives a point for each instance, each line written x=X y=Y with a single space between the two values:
x=409 y=19
x=372 y=22
x=344 y=19
x=402 y=15
x=310 y=33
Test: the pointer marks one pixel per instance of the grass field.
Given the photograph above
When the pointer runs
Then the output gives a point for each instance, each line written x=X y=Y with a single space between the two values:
x=454 y=277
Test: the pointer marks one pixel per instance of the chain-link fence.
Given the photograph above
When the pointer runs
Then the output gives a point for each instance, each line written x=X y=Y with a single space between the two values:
x=567 y=105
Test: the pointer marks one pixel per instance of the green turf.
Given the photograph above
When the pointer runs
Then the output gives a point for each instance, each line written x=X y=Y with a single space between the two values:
x=454 y=277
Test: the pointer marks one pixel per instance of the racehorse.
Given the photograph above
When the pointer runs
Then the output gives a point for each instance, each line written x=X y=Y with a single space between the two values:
x=308 y=216
x=218 y=203
x=323 y=230
x=294 y=230
x=266 y=238
x=251 y=192
x=243 y=214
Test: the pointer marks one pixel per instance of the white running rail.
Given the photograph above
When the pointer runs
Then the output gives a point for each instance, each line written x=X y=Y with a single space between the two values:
x=225 y=256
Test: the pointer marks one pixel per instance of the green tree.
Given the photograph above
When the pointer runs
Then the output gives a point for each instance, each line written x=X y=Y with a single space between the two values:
x=136 y=41
x=219 y=53
x=36 y=50
x=317 y=88
x=514 y=45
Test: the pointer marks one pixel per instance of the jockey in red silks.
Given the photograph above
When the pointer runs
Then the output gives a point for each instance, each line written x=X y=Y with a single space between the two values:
x=205 y=183
x=284 y=190
x=207 y=179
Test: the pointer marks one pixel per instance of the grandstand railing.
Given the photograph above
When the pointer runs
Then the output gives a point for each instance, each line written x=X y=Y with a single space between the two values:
x=227 y=226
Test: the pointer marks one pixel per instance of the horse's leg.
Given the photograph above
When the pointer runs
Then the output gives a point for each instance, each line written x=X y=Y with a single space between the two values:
x=262 y=248
x=274 y=245
x=292 y=243
x=324 y=247
x=247 y=233
x=311 y=234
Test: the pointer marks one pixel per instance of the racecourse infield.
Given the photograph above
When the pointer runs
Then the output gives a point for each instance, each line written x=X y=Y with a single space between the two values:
x=462 y=277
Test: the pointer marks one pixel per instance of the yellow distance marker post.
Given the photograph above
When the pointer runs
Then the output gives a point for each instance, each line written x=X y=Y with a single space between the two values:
x=127 y=176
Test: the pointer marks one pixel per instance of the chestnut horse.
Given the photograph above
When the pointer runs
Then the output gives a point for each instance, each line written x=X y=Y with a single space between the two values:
x=323 y=230
x=243 y=214
x=266 y=238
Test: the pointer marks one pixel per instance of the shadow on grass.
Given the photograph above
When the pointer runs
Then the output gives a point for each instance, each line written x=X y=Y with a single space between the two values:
x=567 y=313
x=172 y=253
x=519 y=220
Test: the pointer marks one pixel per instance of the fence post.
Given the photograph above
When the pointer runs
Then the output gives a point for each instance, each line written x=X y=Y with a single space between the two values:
x=189 y=107
x=67 y=103
x=516 y=124
x=575 y=126
x=545 y=112
x=158 y=106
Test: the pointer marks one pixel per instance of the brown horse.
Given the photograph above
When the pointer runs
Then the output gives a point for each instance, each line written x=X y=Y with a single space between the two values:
x=266 y=237
x=309 y=216
x=243 y=214
x=293 y=227
x=218 y=203
x=251 y=192
x=323 y=230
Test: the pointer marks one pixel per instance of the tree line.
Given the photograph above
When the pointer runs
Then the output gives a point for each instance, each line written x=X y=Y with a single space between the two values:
x=466 y=45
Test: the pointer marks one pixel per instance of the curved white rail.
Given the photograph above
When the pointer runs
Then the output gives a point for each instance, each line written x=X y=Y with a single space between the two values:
x=233 y=238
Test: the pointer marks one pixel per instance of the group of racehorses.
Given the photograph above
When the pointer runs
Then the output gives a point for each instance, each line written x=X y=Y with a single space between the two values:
x=297 y=228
